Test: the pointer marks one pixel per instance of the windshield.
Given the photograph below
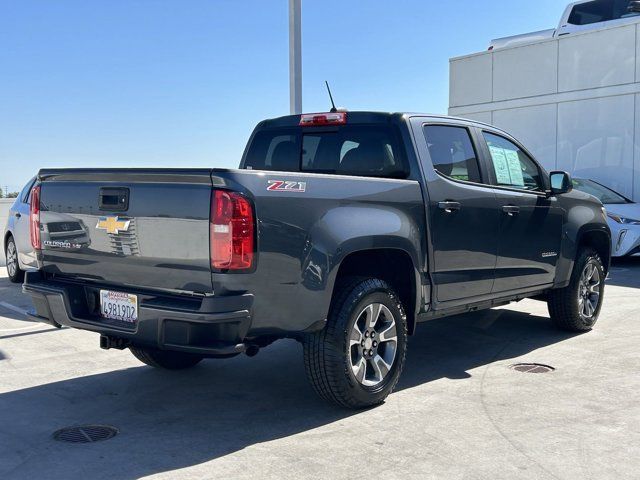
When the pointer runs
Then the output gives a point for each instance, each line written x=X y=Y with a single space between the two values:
x=604 y=194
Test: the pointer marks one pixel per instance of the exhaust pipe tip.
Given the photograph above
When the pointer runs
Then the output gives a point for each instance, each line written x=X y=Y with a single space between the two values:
x=107 y=343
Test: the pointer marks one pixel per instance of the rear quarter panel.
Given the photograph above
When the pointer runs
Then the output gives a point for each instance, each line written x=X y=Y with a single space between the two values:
x=304 y=236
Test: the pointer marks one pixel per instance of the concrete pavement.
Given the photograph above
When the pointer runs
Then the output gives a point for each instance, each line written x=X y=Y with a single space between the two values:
x=459 y=412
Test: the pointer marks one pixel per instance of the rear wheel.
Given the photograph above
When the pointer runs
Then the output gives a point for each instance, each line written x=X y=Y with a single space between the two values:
x=164 y=358
x=16 y=275
x=576 y=307
x=357 y=359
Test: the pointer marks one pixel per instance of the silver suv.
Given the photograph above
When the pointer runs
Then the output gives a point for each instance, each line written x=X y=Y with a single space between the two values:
x=17 y=243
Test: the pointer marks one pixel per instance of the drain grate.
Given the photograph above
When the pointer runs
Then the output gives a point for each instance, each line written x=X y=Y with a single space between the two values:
x=85 y=433
x=531 y=368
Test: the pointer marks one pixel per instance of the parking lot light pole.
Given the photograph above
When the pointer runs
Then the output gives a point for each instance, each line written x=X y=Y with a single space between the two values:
x=295 y=57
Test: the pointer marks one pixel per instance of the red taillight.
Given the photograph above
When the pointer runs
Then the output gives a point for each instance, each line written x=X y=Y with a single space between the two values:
x=319 y=119
x=34 y=218
x=232 y=231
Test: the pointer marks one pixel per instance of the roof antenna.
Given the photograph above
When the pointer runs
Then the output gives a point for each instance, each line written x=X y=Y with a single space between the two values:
x=333 y=105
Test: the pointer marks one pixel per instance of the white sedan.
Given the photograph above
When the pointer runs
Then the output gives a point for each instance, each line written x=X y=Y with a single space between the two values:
x=623 y=215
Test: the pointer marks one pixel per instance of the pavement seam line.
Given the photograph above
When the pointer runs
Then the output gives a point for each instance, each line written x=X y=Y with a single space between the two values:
x=13 y=308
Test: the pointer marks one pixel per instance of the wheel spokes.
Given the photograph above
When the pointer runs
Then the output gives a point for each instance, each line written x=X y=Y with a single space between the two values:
x=12 y=259
x=356 y=336
x=380 y=367
x=360 y=370
x=594 y=287
x=373 y=314
x=389 y=334
x=372 y=344
x=589 y=307
x=590 y=287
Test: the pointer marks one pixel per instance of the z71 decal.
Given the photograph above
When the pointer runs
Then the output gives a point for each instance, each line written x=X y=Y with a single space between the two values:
x=286 y=186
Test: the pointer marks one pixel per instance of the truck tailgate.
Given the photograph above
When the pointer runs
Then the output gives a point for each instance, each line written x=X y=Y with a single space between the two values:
x=144 y=228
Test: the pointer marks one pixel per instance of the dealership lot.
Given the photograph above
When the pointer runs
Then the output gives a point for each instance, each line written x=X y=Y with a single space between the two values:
x=458 y=412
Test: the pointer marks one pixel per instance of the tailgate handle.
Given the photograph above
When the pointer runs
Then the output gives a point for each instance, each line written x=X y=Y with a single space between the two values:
x=114 y=199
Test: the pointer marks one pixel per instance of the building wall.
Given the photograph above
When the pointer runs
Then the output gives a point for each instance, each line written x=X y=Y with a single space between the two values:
x=573 y=101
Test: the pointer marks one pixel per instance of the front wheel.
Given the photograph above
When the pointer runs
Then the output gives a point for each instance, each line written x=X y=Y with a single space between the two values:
x=576 y=308
x=357 y=359
x=16 y=275
x=165 y=358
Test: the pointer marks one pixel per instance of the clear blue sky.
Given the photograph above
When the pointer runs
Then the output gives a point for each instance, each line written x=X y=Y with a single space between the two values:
x=174 y=83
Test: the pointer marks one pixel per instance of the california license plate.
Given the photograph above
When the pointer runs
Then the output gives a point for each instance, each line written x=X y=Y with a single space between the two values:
x=119 y=306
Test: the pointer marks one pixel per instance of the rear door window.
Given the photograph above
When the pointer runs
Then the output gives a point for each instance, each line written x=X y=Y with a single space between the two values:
x=364 y=150
x=452 y=152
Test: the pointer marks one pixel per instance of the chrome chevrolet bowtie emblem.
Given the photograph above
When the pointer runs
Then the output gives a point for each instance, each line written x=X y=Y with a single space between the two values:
x=113 y=225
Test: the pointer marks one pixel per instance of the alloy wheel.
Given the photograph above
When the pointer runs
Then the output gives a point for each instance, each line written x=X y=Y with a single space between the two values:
x=589 y=290
x=373 y=344
x=12 y=259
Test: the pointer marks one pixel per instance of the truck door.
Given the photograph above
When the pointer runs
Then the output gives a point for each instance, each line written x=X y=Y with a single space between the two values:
x=462 y=213
x=530 y=221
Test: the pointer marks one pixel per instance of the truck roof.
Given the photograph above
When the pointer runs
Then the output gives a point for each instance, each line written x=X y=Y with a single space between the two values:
x=369 y=117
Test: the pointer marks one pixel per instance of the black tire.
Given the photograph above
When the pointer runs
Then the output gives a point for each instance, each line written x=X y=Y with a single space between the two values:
x=16 y=275
x=166 y=359
x=566 y=305
x=329 y=355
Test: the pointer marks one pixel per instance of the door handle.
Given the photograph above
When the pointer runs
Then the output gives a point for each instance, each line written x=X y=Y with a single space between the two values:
x=449 y=206
x=511 y=210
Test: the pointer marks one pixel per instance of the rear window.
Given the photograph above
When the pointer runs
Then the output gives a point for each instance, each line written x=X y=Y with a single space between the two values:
x=365 y=150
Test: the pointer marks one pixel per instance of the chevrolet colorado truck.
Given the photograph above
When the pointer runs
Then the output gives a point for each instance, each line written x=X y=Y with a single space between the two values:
x=343 y=230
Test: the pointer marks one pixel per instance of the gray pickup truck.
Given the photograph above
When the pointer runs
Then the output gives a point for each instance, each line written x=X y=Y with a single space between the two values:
x=341 y=230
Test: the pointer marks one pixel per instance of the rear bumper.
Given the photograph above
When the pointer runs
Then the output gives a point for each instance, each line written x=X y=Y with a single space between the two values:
x=204 y=325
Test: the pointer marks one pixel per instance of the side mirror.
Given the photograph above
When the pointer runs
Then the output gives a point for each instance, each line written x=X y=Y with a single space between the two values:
x=634 y=6
x=560 y=183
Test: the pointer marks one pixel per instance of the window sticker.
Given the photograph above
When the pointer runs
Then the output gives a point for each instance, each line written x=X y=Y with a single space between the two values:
x=500 y=165
x=515 y=169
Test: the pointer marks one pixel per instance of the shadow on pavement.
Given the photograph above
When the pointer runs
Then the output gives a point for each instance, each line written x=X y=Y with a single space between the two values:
x=11 y=293
x=625 y=272
x=172 y=420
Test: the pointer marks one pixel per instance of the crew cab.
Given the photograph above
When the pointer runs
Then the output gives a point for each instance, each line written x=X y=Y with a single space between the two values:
x=579 y=17
x=343 y=230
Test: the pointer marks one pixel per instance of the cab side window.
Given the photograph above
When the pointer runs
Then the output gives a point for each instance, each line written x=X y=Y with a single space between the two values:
x=452 y=152
x=513 y=168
